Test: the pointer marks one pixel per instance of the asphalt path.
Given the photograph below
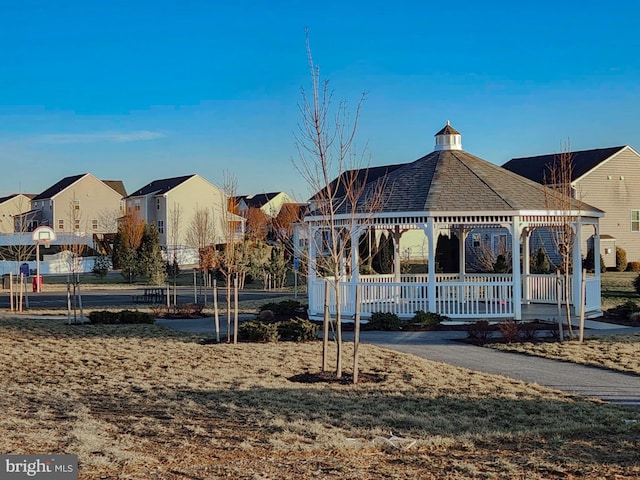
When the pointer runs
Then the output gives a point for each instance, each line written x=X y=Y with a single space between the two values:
x=104 y=298
x=608 y=385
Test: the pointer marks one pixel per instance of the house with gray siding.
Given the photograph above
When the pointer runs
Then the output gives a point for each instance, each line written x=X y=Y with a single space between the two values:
x=607 y=178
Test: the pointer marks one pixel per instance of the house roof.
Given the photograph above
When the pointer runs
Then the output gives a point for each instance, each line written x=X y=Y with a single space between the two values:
x=116 y=185
x=13 y=195
x=56 y=188
x=258 y=200
x=535 y=168
x=159 y=187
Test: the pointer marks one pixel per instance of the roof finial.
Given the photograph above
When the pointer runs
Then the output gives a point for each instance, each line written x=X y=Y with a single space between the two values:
x=448 y=123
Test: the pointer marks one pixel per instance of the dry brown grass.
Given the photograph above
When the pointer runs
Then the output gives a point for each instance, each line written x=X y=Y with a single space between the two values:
x=143 y=402
x=615 y=352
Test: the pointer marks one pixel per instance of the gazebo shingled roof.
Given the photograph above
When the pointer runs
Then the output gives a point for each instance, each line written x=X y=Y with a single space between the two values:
x=456 y=181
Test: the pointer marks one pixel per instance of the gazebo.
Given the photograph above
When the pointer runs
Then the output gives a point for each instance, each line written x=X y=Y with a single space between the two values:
x=452 y=191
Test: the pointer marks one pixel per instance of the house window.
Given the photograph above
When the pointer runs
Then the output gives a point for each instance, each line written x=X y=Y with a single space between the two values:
x=76 y=204
x=160 y=226
x=157 y=204
x=94 y=224
x=76 y=224
x=477 y=238
x=136 y=205
x=61 y=224
x=635 y=220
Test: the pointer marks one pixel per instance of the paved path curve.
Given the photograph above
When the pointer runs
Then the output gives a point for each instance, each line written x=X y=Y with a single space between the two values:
x=608 y=385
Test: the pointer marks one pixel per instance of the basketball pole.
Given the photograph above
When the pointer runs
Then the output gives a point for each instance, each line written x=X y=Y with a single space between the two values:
x=37 y=266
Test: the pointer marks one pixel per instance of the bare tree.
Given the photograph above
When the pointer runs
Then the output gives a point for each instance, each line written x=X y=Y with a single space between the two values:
x=325 y=143
x=559 y=197
x=74 y=246
x=229 y=258
x=21 y=248
x=257 y=224
x=175 y=223
x=201 y=230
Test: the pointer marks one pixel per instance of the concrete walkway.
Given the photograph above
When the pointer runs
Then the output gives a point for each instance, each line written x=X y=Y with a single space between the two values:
x=444 y=346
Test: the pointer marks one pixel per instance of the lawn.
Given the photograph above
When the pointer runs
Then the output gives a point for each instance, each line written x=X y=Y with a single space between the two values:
x=142 y=402
x=617 y=288
x=616 y=352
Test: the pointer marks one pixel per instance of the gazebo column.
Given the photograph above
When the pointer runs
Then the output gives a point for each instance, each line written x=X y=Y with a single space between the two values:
x=596 y=251
x=515 y=268
x=526 y=263
x=462 y=254
x=396 y=234
x=576 y=253
x=431 y=286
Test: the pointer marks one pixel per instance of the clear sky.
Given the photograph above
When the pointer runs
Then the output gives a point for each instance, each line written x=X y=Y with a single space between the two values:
x=139 y=90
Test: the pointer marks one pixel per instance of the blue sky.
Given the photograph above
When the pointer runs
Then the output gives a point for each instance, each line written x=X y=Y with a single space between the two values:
x=140 y=90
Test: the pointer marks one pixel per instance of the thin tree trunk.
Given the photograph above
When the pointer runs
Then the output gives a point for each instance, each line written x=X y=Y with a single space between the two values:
x=68 y=300
x=559 y=303
x=235 y=310
x=215 y=310
x=338 y=330
x=583 y=288
x=11 y=292
x=325 y=328
x=228 y=288
x=567 y=301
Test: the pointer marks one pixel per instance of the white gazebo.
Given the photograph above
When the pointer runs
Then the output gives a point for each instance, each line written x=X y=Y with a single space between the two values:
x=455 y=192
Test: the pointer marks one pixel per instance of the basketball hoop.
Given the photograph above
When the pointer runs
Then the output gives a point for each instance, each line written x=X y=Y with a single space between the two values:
x=44 y=235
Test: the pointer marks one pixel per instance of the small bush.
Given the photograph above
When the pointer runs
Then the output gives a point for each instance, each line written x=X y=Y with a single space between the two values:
x=428 y=320
x=119 y=318
x=298 y=330
x=589 y=264
x=528 y=332
x=479 y=332
x=628 y=308
x=384 y=321
x=286 y=307
x=254 y=331
x=621 y=259
x=510 y=331
x=189 y=310
x=633 y=267
x=101 y=266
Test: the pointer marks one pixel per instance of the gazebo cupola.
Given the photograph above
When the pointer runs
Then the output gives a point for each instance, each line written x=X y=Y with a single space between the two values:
x=448 y=138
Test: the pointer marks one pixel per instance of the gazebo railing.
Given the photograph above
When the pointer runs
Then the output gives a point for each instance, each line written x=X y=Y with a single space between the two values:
x=477 y=296
x=453 y=299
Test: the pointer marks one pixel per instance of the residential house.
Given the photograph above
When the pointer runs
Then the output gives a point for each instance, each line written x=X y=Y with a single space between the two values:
x=606 y=178
x=269 y=203
x=11 y=207
x=78 y=204
x=174 y=205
